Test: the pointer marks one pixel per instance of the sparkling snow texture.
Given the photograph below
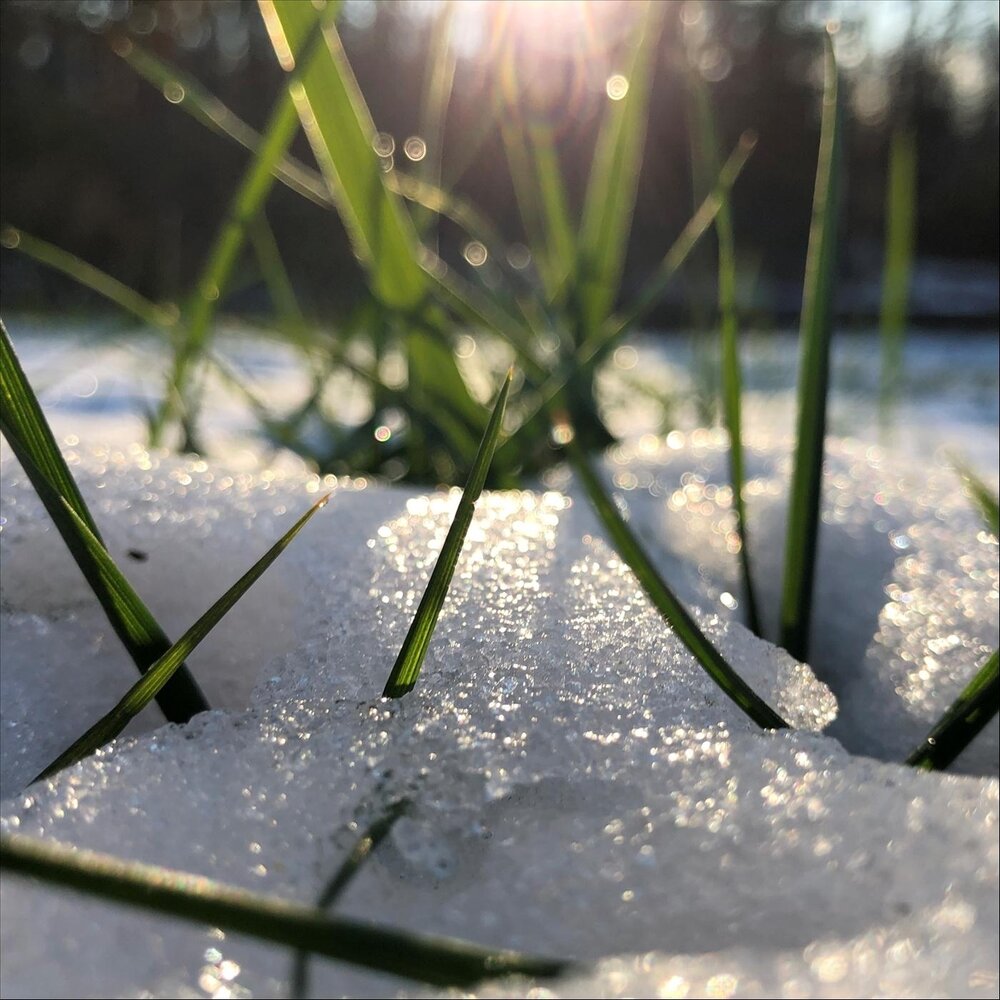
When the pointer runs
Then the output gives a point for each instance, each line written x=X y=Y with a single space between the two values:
x=577 y=786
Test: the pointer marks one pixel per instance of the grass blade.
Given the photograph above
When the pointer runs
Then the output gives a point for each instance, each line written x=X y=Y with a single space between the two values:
x=89 y=276
x=963 y=721
x=900 y=236
x=435 y=960
x=614 y=177
x=814 y=365
x=664 y=600
x=144 y=690
x=406 y=669
x=984 y=497
x=30 y=437
x=363 y=849
x=732 y=380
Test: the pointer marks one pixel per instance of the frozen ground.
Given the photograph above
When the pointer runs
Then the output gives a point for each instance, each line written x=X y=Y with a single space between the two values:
x=577 y=787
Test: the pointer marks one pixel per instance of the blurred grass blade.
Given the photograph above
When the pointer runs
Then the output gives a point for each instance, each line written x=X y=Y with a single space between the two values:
x=985 y=498
x=143 y=692
x=732 y=380
x=963 y=721
x=900 y=233
x=653 y=288
x=814 y=364
x=186 y=92
x=436 y=960
x=440 y=78
x=363 y=849
x=247 y=202
x=27 y=431
x=411 y=656
x=614 y=177
x=279 y=284
x=341 y=132
x=663 y=598
x=89 y=276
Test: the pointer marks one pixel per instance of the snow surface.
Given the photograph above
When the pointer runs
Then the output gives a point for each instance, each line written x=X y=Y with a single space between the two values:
x=576 y=785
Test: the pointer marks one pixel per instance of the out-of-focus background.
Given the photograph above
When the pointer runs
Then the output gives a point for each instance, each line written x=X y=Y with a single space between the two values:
x=103 y=164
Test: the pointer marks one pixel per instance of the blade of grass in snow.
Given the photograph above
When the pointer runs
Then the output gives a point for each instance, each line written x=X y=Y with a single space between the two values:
x=406 y=669
x=342 y=878
x=143 y=692
x=732 y=380
x=90 y=277
x=247 y=202
x=663 y=598
x=30 y=437
x=436 y=960
x=985 y=498
x=341 y=132
x=814 y=364
x=963 y=721
x=614 y=177
x=900 y=227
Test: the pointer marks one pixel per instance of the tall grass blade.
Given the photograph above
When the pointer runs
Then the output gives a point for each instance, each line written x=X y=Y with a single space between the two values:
x=150 y=684
x=963 y=721
x=900 y=235
x=247 y=202
x=814 y=364
x=363 y=849
x=609 y=202
x=406 y=669
x=985 y=498
x=27 y=431
x=440 y=69
x=435 y=960
x=663 y=598
x=732 y=380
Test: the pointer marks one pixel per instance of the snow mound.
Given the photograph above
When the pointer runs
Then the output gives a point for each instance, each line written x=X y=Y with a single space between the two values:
x=575 y=785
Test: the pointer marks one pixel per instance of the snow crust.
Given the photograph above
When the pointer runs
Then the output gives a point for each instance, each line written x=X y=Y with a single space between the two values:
x=576 y=786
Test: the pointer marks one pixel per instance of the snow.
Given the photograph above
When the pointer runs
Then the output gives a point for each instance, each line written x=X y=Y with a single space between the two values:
x=577 y=786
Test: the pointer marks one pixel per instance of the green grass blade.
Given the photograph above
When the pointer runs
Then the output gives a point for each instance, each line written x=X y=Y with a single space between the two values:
x=814 y=365
x=900 y=236
x=187 y=93
x=435 y=960
x=985 y=498
x=963 y=721
x=406 y=669
x=246 y=204
x=440 y=78
x=279 y=284
x=89 y=276
x=614 y=177
x=653 y=288
x=150 y=684
x=363 y=849
x=663 y=598
x=732 y=380
x=27 y=431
